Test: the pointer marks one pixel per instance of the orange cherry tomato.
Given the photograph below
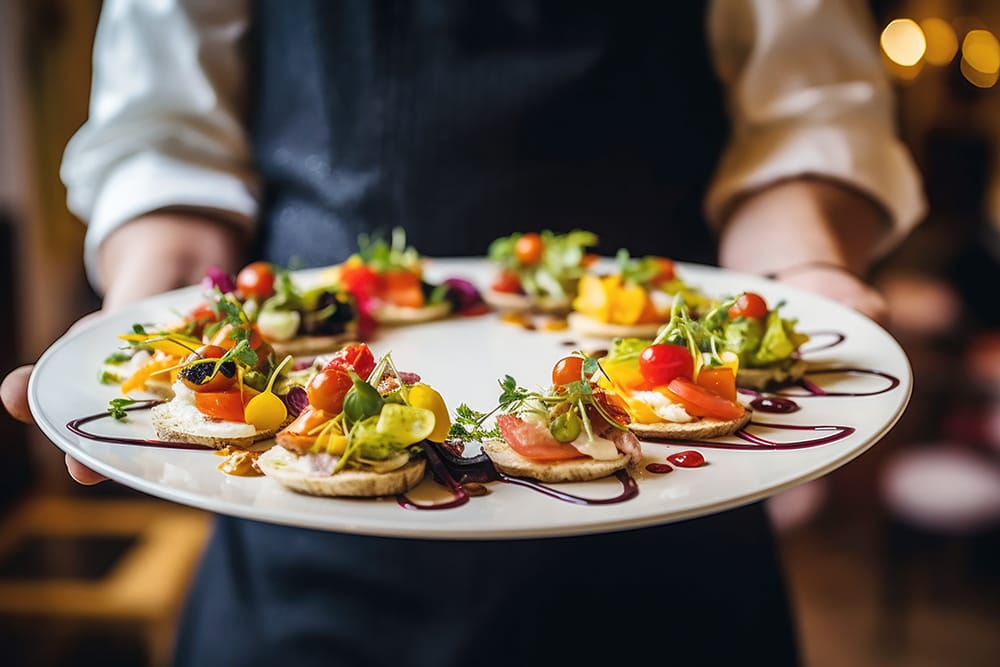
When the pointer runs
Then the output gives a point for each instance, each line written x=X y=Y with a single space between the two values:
x=327 y=389
x=702 y=402
x=256 y=280
x=566 y=370
x=749 y=304
x=528 y=249
x=226 y=405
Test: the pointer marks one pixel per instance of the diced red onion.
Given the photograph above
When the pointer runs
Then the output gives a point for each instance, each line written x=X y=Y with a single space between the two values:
x=216 y=277
x=462 y=293
x=296 y=400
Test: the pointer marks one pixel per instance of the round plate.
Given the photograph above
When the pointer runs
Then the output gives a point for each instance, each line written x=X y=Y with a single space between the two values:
x=844 y=413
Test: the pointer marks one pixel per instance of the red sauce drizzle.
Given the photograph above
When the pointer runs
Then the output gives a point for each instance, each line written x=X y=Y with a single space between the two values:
x=689 y=458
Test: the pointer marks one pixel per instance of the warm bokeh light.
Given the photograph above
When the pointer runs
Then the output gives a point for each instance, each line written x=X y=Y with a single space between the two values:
x=981 y=50
x=903 y=42
x=977 y=78
x=942 y=43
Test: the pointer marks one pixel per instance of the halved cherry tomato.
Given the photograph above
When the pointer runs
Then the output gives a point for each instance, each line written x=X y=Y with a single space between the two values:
x=256 y=280
x=327 y=389
x=661 y=363
x=227 y=405
x=749 y=304
x=528 y=249
x=566 y=370
x=533 y=441
x=357 y=357
x=201 y=374
x=507 y=282
x=702 y=402
x=719 y=379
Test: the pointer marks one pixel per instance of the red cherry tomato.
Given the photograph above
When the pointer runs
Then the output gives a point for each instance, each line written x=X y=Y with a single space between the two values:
x=327 y=389
x=566 y=370
x=357 y=357
x=702 y=402
x=533 y=441
x=528 y=249
x=227 y=405
x=256 y=280
x=661 y=363
x=205 y=376
x=749 y=304
x=507 y=282
x=359 y=279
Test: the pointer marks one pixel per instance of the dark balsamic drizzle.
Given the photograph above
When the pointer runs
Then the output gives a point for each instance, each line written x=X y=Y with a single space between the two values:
x=836 y=338
x=75 y=428
x=454 y=471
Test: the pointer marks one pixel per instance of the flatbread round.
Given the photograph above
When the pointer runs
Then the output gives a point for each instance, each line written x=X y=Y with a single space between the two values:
x=699 y=429
x=277 y=463
x=510 y=462
x=307 y=346
x=586 y=325
x=390 y=315
x=505 y=301
x=175 y=424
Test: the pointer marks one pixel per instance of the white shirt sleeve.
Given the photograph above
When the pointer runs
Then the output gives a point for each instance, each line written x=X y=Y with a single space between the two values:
x=166 y=120
x=808 y=95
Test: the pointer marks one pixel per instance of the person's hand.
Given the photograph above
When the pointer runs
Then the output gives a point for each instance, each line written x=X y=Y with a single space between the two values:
x=839 y=285
x=149 y=255
x=811 y=234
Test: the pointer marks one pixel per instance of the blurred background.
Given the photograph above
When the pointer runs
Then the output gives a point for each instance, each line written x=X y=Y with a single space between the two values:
x=892 y=560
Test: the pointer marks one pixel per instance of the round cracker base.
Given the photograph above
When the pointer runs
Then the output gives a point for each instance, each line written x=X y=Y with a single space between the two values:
x=347 y=483
x=175 y=428
x=510 y=462
x=588 y=326
x=389 y=315
x=507 y=302
x=701 y=429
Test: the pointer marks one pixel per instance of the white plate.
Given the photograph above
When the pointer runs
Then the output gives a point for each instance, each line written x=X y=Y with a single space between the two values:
x=464 y=358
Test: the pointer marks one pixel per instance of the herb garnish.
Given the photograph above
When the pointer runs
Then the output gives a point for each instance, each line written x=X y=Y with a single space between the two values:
x=116 y=407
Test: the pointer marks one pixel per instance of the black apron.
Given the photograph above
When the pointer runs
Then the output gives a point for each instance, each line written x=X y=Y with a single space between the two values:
x=461 y=122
